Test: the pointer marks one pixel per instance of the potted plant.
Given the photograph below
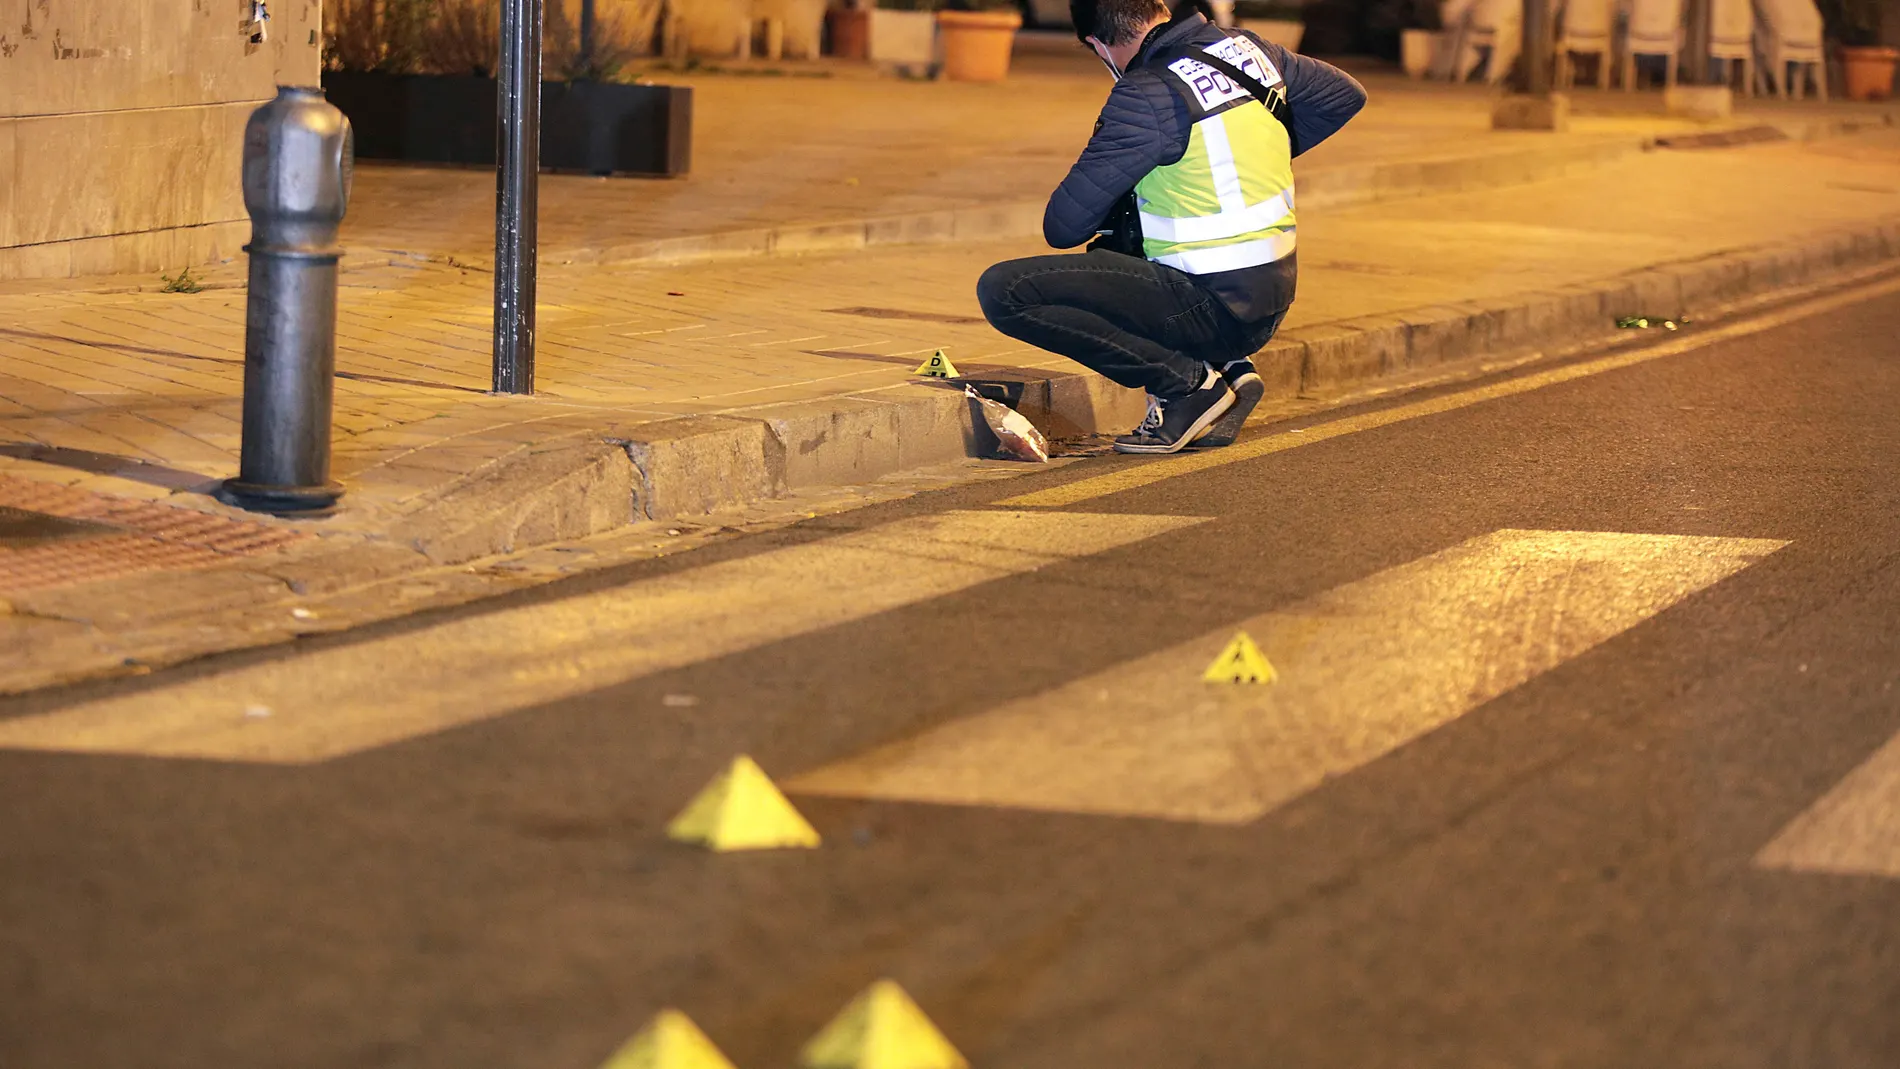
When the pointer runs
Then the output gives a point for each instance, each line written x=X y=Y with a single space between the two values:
x=978 y=37
x=417 y=80
x=904 y=34
x=1405 y=30
x=387 y=36
x=1867 y=66
x=848 y=31
x=1282 y=23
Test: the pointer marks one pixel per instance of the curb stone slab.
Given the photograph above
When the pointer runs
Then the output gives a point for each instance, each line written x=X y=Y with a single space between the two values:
x=701 y=464
x=1436 y=335
x=676 y=468
x=563 y=489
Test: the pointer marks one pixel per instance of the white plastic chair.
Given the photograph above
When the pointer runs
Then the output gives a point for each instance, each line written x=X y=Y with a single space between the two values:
x=1655 y=29
x=802 y=23
x=1584 y=28
x=1788 y=32
x=1494 y=24
x=1454 y=19
x=1732 y=37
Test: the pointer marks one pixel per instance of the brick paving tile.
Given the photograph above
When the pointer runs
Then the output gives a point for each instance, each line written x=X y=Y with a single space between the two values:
x=151 y=537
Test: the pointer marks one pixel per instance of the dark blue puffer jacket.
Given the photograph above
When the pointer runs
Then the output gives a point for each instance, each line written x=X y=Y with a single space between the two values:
x=1144 y=125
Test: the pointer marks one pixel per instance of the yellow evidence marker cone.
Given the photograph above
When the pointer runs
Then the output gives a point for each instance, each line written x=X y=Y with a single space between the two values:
x=938 y=366
x=881 y=1029
x=669 y=1041
x=742 y=810
x=1240 y=662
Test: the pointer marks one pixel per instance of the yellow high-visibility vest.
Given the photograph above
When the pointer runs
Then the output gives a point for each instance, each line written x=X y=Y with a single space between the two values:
x=1227 y=204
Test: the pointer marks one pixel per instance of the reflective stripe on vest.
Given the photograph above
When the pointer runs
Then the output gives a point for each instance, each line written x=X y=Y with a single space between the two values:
x=1227 y=204
x=1219 y=258
x=1237 y=222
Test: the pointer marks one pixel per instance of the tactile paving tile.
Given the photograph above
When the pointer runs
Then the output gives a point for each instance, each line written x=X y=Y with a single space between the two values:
x=148 y=537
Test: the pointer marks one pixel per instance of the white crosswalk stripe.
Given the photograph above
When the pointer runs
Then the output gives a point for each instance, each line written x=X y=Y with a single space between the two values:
x=343 y=699
x=1363 y=669
x=1853 y=830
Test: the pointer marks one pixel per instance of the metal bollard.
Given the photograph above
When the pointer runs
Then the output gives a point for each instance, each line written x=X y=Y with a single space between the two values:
x=297 y=160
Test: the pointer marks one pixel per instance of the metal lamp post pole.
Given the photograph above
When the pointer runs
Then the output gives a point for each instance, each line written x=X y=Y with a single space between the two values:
x=1531 y=105
x=1698 y=39
x=1537 y=47
x=518 y=159
x=587 y=35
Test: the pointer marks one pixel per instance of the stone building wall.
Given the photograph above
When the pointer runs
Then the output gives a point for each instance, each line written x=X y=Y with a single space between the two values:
x=121 y=127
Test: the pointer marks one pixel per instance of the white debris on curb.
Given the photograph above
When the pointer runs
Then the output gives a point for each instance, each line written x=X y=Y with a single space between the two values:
x=1019 y=437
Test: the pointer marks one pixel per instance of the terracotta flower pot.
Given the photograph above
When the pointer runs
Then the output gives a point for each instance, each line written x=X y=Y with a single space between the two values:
x=976 y=44
x=1869 y=72
x=850 y=30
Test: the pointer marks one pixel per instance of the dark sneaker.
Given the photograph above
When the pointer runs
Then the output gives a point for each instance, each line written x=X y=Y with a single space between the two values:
x=1171 y=425
x=1248 y=390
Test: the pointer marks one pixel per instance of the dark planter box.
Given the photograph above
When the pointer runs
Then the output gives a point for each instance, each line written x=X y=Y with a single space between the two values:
x=587 y=127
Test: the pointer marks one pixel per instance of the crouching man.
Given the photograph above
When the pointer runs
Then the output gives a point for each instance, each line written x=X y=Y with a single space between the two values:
x=1186 y=188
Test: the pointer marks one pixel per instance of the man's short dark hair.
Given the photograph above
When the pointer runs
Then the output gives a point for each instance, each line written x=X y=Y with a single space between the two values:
x=1113 y=22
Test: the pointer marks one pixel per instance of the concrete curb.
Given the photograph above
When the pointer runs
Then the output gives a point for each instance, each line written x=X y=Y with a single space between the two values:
x=1324 y=187
x=565 y=488
x=1333 y=357
x=586 y=482
x=578 y=483
x=1780 y=130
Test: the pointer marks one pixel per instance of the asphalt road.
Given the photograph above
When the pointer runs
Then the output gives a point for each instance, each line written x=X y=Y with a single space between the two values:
x=1506 y=805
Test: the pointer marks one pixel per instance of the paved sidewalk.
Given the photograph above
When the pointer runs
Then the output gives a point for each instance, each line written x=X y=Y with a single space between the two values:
x=680 y=391
x=806 y=155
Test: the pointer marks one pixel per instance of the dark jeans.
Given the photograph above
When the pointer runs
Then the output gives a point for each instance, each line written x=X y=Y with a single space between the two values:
x=1134 y=321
